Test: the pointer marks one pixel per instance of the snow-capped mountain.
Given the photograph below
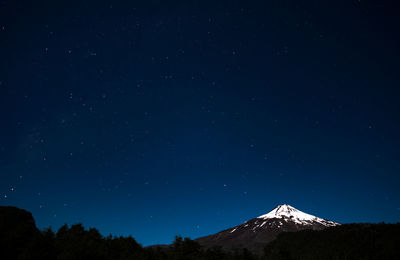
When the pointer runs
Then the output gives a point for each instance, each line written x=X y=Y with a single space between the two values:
x=286 y=212
x=257 y=232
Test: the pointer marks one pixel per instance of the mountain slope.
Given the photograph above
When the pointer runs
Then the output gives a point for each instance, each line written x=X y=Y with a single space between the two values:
x=347 y=241
x=257 y=232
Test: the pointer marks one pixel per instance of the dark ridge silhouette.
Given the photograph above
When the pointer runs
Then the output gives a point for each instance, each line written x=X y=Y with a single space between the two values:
x=18 y=234
x=348 y=241
x=255 y=233
x=20 y=239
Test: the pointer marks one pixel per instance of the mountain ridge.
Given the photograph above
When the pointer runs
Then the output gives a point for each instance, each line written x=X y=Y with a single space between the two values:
x=255 y=233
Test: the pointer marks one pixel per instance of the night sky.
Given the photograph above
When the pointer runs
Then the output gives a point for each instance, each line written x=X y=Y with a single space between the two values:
x=160 y=118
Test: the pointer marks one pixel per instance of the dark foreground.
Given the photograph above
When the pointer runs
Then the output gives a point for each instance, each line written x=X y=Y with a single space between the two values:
x=20 y=239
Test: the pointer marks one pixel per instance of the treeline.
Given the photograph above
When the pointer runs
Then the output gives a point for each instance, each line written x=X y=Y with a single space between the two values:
x=20 y=239
x=75 y=242
x=349 y=241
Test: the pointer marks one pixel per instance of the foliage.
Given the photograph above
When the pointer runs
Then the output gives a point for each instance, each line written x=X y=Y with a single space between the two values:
x=350 y=241
x=20 y=239
x=77 y=243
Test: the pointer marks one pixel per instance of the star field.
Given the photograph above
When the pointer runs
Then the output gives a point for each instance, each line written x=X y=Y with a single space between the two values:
x=160 y=118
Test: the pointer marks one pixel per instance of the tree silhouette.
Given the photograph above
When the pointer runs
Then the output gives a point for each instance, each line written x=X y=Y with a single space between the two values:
x=20 y=239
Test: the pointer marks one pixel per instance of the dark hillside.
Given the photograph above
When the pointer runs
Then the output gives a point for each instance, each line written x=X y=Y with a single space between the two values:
x=20 y=239
x=349 y=241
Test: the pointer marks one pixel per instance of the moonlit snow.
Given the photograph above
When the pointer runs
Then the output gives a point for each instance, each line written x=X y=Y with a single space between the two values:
x=288 y=212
